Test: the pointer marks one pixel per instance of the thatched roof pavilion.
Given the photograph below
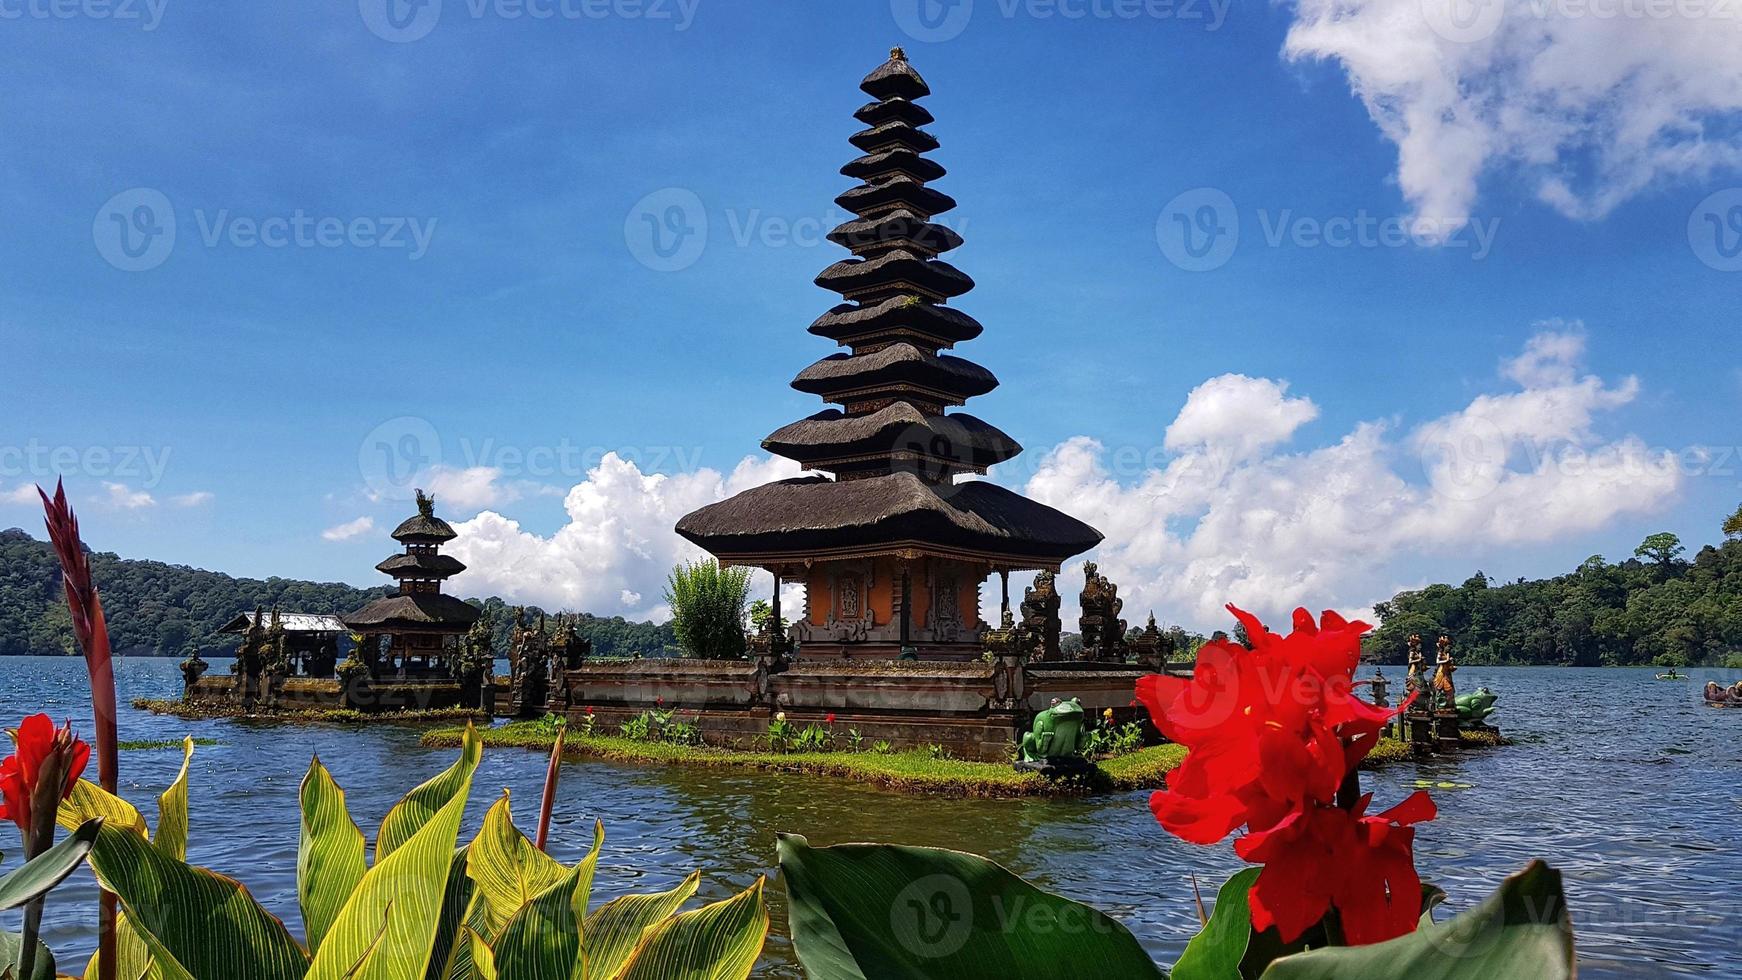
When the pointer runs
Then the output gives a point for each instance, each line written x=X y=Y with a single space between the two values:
x=423 y=621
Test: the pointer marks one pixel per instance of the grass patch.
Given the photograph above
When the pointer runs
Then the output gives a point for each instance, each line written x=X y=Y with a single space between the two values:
x=202 y=710
x=907 y=772
x=158 y=744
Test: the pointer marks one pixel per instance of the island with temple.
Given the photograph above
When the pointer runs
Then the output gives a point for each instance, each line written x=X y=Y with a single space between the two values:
x=890 y=536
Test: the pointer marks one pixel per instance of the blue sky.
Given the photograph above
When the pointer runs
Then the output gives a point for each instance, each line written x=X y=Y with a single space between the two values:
x=248 y=385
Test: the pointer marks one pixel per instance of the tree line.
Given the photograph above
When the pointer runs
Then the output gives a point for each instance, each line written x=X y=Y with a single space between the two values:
x=1655 y=607
x=158 y=609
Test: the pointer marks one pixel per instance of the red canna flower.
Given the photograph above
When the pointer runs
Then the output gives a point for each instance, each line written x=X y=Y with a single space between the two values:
x=830 y=718
x=1326 y=857
x=1273 y=734
x=41 y=771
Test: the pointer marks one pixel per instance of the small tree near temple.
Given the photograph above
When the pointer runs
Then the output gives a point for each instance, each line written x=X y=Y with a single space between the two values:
x=707 y=608
x=1733 y=524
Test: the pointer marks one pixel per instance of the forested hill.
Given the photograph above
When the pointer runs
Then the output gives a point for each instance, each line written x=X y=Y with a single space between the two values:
x=1654 y=608
x=171 y=610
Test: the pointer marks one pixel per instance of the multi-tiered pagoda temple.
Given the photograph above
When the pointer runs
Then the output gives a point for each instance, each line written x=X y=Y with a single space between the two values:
x=891 y=548
x=425 y=624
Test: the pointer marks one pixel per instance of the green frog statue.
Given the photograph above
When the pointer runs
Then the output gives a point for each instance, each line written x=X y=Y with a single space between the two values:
x=1058 y=738
x=1474 y=708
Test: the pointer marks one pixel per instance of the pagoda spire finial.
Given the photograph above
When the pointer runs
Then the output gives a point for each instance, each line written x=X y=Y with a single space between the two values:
x=897 y=53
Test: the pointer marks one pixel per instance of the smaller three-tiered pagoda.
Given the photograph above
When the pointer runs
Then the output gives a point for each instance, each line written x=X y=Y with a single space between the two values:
x=426 y=625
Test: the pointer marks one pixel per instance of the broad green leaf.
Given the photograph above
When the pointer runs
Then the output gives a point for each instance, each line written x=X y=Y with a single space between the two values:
x=715 y=942
x=406 y=889
x=1215 y=952
x=11 y=945
x=868 y=911
x=172 y=810
x=330 y=859
x=484 y=962
x=196 y=923
x=35 y=877
x=507 y=870
x=421 y=804
x=543 y=939
x=89 y=801
x=613 y=931
x=132 y=955
x=456 y=903
x=1522 y=930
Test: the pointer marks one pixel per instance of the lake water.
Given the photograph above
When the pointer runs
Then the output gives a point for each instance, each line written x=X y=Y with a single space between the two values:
x=1631 y=786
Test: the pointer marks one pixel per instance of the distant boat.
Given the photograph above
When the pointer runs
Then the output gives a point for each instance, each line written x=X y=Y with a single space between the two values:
x=1672 y=675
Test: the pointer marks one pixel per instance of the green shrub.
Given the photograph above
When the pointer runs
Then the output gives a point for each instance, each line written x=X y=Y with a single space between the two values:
x=707 y=608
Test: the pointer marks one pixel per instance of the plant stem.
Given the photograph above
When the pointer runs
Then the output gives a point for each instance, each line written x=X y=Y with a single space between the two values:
x=548 y=801
x=27 y=948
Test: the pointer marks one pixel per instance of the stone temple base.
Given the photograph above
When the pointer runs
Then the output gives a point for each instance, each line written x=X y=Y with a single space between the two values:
x=973 y=711
x=330 y=694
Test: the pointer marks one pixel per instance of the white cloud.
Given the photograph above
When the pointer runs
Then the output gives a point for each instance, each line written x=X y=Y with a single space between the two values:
x=1318 y=527
x=617 y=547
x=349 y=529
x=24 y=493
x=1238 y=417
x=124 y=497
x=471 y=488
x=199 y=498
x=1590 y=109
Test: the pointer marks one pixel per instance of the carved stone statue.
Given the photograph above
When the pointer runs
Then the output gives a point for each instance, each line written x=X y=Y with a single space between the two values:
x=473 y=666
x=1039 y=631
x=276 y=664
x=250 y=658
x=1445 y=691
x=1103 y=631
x=1415 y=683
x=192 y=669
x=529 y=662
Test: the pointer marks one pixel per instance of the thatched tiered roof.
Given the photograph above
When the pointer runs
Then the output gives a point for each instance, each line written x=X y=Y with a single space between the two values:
x=420 y=605
x=893 y=445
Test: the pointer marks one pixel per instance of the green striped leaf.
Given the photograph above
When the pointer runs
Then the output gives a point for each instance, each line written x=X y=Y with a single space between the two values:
x=543 y=939
x=715 y=942
x=330 y=858
x=196 y=923
x=421 y=804
x=612 y=932
x=867 y=911
x=172 y=810
x=1522 y=930
x=506 y=870
x=35 y=877
x=456 y=905
x=484 y=962
x=88 y=801
x=405 y=888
